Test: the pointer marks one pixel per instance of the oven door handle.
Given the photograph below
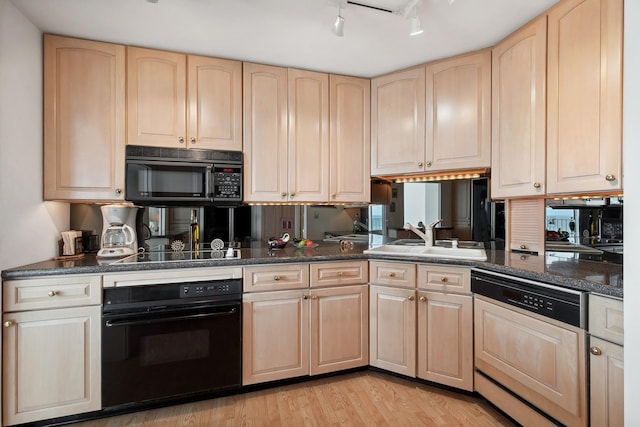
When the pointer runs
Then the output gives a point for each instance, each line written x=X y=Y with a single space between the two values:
x=142 y=321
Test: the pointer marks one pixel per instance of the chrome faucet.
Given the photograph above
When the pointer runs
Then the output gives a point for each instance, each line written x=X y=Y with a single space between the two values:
x=428 y=236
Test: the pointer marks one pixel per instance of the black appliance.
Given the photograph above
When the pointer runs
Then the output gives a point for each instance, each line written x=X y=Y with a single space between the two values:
x=168 y=341
x=178 y=177
x=562 y=304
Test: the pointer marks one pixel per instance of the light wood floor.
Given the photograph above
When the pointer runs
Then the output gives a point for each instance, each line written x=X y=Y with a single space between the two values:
x=363 y=398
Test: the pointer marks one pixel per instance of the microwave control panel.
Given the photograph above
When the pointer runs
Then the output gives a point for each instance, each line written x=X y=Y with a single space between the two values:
x=227 y=182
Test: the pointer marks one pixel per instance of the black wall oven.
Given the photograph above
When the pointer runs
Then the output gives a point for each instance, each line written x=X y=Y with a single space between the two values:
x=161 y=342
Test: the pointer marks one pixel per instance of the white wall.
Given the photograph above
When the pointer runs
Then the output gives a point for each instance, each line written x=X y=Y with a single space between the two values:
x=29 y=227
x=632 y=212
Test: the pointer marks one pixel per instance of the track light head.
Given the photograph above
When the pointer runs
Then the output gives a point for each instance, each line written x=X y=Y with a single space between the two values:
x=338 y=26
x=416 y=28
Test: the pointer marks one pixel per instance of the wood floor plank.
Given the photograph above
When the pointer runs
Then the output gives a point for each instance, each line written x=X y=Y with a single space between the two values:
x=363 y=398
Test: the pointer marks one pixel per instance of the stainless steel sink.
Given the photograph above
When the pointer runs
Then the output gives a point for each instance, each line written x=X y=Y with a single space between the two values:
x=473 y=254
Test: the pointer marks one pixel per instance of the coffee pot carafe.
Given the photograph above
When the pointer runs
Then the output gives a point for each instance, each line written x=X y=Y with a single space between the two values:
x=118 y=232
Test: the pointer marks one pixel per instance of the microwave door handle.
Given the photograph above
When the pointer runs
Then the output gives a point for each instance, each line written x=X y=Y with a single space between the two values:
x=208 y=191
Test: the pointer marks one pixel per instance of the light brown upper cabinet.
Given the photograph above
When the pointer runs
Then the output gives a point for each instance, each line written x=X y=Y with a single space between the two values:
x=84 y=120
x=183 y=101
x=349 y=139
x=265 y=133
x=433 y=118
x=286 y=134
x=584 y=101
x=458 y=113
x=519 y=112
x=306 y=136
x=397 y=122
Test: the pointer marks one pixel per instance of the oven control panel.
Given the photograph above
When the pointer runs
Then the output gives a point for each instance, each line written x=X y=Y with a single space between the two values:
x=208 y=289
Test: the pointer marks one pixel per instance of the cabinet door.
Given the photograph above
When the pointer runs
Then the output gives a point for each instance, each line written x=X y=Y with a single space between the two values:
x=607 y=383
x=84 y=119
x=339 y=328
x=392 y=329
x=265 y=133
x=397 y=122
x=584 y=122
x=63 y=380
x=519 y=118
x=308 y=136
x=156 y=98
x=350 y=140
x=445 y=339
x=458 y=116
x=215 y=103
x=539 y=360
x=275 y=336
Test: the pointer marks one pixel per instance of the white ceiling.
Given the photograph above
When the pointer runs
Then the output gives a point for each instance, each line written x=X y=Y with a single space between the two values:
x=293 y=33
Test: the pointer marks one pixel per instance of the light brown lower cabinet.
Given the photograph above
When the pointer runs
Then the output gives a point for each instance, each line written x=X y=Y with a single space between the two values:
x=339 y=332
x=606 y=383
x=51 y=363
x=606 y=360
x=392 y=329
x=420 y=333
x=275 y=331
x=287 y=334
x=445 y=339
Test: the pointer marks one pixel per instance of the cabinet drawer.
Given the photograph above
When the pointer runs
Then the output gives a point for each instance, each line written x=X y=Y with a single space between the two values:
x=339 y=273
x=392 y=274
x=276 y=277
x=51 y=292
x=606 y=318
x=444 y=279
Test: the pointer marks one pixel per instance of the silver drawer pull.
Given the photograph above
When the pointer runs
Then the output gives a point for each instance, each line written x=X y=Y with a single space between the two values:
x=53 y=293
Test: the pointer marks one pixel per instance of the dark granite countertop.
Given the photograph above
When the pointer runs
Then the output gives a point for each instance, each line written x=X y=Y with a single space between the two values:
x=560 y=268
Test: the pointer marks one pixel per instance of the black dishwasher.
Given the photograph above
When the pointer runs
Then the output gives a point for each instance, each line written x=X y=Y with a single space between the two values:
x=172 y=340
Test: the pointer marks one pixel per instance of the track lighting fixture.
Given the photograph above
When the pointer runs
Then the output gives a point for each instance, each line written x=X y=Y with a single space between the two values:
x=416 y=28
x=338 y=26
x=408 y=11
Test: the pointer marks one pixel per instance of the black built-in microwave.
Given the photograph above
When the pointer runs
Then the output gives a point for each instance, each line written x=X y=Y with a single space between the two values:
x=177 y=176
